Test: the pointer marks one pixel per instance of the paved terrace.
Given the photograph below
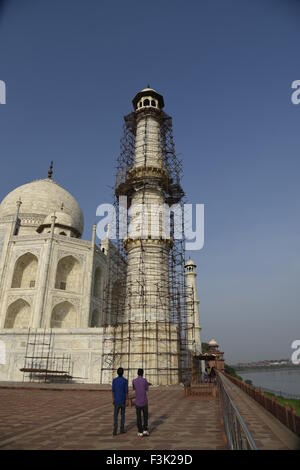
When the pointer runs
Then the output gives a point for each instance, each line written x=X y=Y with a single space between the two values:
x=37 y=416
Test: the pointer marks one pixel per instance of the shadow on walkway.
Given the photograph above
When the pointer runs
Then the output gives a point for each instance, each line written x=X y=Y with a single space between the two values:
x=158 y=422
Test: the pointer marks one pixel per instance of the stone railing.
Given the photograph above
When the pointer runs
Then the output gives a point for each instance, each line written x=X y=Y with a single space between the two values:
x=237 y=433
x=285 y=413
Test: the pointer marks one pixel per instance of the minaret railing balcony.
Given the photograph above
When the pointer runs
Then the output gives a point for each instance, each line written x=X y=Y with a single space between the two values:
x=130 y=243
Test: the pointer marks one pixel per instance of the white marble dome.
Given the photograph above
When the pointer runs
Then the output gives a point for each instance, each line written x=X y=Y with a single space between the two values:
x=61 y=218
x=213 y=342
x=39 y=199
x=190 y=262
x=149 y=89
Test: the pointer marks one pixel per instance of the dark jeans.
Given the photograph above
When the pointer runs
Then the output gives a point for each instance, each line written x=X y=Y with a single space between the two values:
x=116 y=414
x=139 y=410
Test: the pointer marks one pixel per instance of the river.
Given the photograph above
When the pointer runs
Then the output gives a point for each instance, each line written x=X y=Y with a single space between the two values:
x=285 y=380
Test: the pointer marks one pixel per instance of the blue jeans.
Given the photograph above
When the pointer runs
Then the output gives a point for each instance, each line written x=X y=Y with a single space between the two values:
x=116 y=414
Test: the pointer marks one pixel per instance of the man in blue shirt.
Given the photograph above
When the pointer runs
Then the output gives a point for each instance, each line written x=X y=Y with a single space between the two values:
x=120 y=395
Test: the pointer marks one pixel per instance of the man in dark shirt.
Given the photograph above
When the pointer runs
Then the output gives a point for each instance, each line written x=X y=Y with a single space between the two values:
x=141 y=387
x=120 y=395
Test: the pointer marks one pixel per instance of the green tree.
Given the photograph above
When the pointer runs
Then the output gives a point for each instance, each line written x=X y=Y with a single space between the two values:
x=231 y=371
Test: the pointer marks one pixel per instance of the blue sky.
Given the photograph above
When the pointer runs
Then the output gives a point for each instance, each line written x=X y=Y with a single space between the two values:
x=225 y=69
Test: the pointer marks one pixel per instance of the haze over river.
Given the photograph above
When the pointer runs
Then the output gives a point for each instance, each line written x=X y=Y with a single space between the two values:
x=284 y=380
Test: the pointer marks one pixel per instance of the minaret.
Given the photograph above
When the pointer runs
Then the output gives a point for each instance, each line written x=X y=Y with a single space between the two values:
x=148 y=273
x=193 y=319
x=148 y=332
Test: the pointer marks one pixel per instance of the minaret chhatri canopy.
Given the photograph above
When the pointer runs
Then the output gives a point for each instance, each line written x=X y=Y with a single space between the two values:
x=148 y=97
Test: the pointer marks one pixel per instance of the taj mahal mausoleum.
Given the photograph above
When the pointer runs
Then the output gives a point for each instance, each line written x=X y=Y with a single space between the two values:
x=74 y=310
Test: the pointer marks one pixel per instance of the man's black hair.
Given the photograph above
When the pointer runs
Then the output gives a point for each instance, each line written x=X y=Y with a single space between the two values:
x=141 y=372
x=120 y=371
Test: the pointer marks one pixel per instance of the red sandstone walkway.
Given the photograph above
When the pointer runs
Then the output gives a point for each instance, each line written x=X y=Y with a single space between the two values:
x=49 y=419
x=267 y=431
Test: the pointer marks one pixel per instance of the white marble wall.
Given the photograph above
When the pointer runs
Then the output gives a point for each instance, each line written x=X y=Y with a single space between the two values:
x=84 y=345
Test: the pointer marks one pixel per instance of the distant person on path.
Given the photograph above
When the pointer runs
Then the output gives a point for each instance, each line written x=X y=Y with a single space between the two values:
x=120 y=396
x=208 y=373
x=213 y=375
x=141 y=387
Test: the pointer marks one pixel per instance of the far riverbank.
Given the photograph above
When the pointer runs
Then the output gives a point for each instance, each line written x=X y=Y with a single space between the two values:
x=284 y=381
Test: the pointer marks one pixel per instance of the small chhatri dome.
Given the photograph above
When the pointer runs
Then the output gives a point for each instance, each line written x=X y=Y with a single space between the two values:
x=39 y=199
x=190 y=262
x=148 y=98
x=213 y=342
x=190 y=267
x=62 y=220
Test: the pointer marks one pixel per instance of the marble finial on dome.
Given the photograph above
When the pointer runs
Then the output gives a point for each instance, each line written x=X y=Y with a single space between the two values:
x=50 y=171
